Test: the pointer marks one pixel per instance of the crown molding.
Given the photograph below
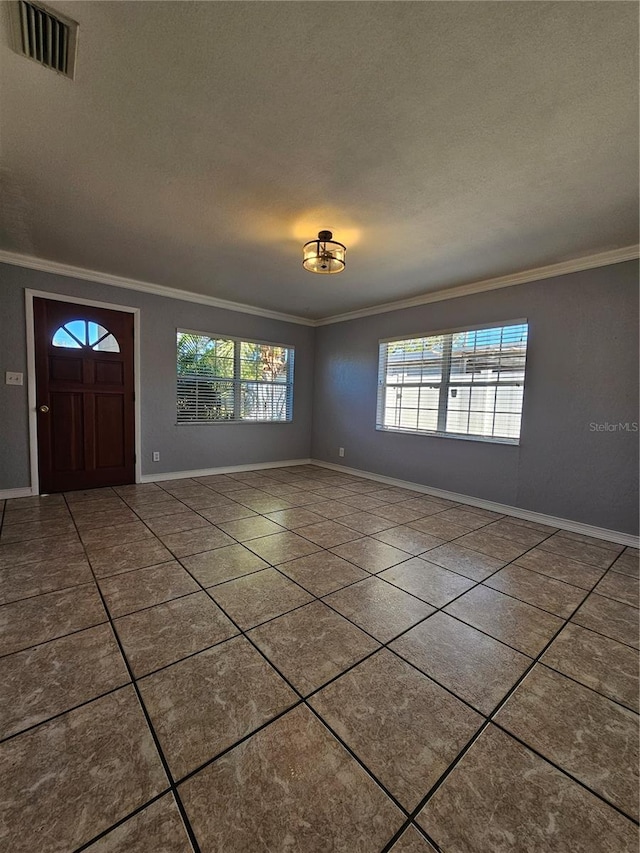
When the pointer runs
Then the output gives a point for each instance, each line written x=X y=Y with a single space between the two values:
x=602 y=259
x=30 y=262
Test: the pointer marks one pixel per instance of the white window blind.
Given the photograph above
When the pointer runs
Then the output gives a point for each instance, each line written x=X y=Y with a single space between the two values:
x=463 y=383
x=225 y=379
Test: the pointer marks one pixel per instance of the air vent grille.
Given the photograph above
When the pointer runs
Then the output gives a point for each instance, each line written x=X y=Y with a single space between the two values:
x=45 y=36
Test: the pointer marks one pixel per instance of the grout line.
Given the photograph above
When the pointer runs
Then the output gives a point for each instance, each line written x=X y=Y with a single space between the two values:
x=118 y=823
x=152 y=731
x=59 y=637
x=303 y=700
x=490 y=720
x=565 y=772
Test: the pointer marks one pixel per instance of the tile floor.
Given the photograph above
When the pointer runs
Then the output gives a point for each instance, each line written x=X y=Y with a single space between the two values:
x=295 y=659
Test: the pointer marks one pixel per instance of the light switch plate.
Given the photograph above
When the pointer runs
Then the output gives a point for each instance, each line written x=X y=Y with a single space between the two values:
x=12 y=378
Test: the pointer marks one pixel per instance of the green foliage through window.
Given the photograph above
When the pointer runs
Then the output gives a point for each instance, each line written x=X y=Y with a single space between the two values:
x=223 y=379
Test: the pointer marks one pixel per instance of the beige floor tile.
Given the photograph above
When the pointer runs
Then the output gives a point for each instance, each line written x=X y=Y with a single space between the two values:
x=108 y=518
x=604 y=665
x=244 y=529
x=371 y=555
x=161 y=635
x=38 y=578
x=328 y=533
x=332 y=493
x=443 y=528
x=38 y=550
x=399 y=514
x=560 y=567
x=460 y=515
x=491 y=545
x=592 y=555
x=91 y=768
x=296 y=517
x=36 y=620
x=366 y=522
x=472 y=665
x=156 y=829
x=378 y=608
x=204 y=500
x=227 y=512
x=516 y=532
x=130 y=555
x=584 y=733
x=308 y=788
x=263 y=503
x=627 y=563
x=431 y=583
x=281 y=547
x=222 y=564
x=29 y=530
x=364 y=502
x=311 y=645
x=408 y=539
x=464 y=561
x=520 y=625
x=322 y=572
x=203 y=705
x=547 y=593
x=51 y=678
x=196 y=541
x=619 y=587
x=36 y=512
x=255 y=598
x=103 y=537
x=411 y=841
x=330 y=509
x=612 y=618
x=177 y=522
x=520 y=802
x=590 y=540
x=157 y=508
x=130 y=591
x=403 y=727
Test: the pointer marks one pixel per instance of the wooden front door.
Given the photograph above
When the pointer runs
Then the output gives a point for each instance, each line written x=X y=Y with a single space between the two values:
x=84 y=396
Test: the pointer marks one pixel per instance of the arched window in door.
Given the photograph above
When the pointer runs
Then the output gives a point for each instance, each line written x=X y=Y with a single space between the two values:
x=85 y=334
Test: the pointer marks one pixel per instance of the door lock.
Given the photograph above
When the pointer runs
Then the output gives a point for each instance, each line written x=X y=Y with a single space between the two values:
x=44 y=409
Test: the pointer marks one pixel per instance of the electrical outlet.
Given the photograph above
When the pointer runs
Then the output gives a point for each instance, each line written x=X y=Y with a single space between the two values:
x=12 y=378
x=156 y=456
x=341 y=451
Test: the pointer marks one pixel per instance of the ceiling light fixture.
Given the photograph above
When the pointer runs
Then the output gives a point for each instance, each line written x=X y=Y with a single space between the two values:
x=324 y=255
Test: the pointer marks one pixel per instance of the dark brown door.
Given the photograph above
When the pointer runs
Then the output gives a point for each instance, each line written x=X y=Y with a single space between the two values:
x=85 y=396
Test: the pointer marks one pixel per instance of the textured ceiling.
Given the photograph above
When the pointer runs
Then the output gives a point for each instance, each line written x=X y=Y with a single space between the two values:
x=201 y=143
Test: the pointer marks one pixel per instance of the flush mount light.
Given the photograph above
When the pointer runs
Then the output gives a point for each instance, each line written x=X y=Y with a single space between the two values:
x=324 y=255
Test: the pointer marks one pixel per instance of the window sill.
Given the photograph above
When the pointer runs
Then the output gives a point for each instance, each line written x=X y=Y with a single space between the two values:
x=459 y=436
x=220 y=422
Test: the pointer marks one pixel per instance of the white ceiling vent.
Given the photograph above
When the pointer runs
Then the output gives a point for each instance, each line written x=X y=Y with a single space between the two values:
x=45 y=35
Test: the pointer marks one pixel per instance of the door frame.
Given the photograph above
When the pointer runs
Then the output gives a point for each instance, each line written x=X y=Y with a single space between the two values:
x=29 y=296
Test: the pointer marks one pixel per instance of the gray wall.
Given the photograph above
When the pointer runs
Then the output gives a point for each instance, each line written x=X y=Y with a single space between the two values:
x=182 y=448
x=582 y=368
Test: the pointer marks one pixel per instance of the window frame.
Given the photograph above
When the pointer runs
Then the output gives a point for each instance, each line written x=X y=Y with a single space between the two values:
x=238 y=382
x=444 y=386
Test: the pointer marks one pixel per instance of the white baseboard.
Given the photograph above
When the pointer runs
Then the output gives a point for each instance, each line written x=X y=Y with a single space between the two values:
x=550 y=520
x=229 y=469
x=7 y=494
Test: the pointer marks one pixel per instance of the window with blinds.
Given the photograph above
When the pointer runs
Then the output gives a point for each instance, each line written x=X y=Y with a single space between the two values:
x=225 y=379
x=467 y=383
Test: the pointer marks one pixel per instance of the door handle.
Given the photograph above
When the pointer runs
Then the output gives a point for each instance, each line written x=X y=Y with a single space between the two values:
x=44 y=409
